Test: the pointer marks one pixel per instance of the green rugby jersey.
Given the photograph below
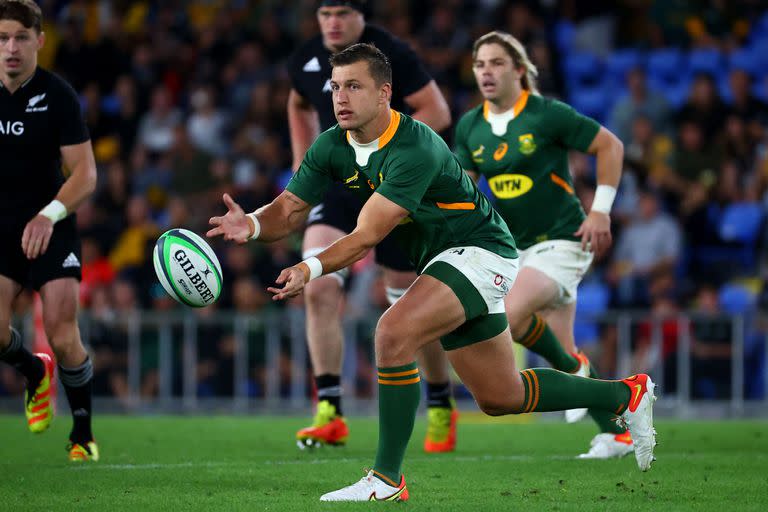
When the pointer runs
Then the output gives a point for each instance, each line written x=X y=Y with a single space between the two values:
x=527 y=166
x=413 y=167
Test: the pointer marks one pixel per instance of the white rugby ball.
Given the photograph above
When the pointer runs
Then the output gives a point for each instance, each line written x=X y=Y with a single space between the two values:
x=187 y=268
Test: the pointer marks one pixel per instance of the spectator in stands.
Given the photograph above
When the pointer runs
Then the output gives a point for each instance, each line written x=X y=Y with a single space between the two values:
x=207 y=124
x=640 y=101
x=156 y=128
x=650 y=245
x=746 y=106
x=704 y=107
x=711 y=336
x=129 y=251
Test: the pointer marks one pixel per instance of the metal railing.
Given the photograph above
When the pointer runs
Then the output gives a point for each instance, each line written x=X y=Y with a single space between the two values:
x=260 y=362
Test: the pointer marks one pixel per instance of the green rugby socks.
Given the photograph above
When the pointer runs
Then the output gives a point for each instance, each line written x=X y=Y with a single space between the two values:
x=399 y=393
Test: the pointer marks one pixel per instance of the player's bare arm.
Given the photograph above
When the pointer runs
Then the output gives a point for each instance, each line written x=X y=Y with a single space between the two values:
x=595 y=231
x=79 y=186
x=303 y=124
x=429 y=107
x=377 y=219
x=271 y=222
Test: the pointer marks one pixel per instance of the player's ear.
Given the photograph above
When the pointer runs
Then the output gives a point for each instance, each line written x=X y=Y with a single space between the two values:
x=386 y=92
x=40 y=40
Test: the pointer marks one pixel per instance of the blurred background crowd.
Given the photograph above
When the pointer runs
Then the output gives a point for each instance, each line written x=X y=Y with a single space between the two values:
x=187 y=99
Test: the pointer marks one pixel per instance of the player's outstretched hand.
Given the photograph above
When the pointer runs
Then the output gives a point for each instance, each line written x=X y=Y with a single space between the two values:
x=234 y=225
x=595 y=233
x=293 y=280
x=36 y=236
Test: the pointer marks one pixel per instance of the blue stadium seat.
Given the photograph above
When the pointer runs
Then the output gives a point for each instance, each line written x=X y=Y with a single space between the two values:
x=705 y=61
x=747 y=60
x=675 y=93
x=582 y=68
x=666 y=65
x=563 y=36
x=741 y=222
x=620 y=62
x=594 y=102
x=736 y=299
x=723 y=86
x=593 y=297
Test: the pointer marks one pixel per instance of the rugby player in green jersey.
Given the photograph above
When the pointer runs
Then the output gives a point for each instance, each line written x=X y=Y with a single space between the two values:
x=464 y=255
x=520 y=141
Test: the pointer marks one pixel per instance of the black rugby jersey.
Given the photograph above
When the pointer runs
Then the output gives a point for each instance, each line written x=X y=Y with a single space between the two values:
x=35 y=121
x=310 y=72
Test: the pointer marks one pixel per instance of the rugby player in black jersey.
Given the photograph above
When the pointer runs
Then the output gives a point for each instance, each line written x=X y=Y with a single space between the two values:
x=42 y=131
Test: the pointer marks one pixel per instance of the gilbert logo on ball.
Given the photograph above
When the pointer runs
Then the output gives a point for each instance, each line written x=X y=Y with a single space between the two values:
x=187 y=268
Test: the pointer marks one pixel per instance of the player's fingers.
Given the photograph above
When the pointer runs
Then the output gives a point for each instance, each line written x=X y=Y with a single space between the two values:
x=25 y=241
x=215 y=221
x=214 y=232
x=231 y=204
x=46 y=240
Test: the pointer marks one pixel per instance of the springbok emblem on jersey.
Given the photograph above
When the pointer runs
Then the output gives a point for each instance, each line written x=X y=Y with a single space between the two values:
x=477 y=155
x=527 y=145
x=350 y=181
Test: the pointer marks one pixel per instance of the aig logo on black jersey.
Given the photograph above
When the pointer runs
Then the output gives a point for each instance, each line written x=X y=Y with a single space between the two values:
x=11 y=128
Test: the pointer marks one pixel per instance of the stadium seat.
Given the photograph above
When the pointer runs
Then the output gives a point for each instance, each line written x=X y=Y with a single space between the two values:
x=593 y=297
x=594 y=102
x=736 y=299
x=582 y=68
x=705 y=61
x=747 y=60
x=620 y=62
x=666 y=65
x=741 y=223
x=563 y=36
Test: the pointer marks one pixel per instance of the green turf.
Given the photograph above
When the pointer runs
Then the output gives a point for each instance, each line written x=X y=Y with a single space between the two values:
x=226 y=463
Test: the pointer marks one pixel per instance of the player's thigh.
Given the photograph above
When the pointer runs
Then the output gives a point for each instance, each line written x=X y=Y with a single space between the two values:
x=9 y=289
x=60 y=300
x=320 y=236
x=488 y=370
x=427 y=311
x=397 y=279
x=532 y=292
x=560 y=320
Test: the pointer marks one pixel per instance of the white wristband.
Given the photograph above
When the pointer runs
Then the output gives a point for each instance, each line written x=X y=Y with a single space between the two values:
x=315 y=267
x=256 y=225
x=55 y=210
x=604 y=196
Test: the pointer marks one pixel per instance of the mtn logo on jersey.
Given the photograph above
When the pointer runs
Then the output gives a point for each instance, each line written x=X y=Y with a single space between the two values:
x=312 y=65
x=11 y=128
x=527 y=145
x=33 y=101
x=71 y=261
x=509 y=186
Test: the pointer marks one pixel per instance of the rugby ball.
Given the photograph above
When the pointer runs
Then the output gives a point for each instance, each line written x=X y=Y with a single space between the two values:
x=187 y=268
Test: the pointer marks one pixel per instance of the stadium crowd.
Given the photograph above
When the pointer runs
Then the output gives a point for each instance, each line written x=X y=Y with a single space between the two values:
x=187 y=99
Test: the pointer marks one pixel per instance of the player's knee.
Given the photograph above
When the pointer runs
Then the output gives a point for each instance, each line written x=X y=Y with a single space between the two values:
x=60 y=321
x=493 y=407
x=393 y=342
x=322 y=295
x=519 y=321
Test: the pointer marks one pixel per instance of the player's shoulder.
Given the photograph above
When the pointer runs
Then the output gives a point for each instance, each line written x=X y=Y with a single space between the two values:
x=547 y=105
x=383 y=40
x=471 y=117
x=54 y=84
x=413 y=135
x=305 y=51
x=329 y=141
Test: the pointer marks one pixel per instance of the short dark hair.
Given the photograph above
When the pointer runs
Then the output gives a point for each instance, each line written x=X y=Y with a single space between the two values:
x=378 y=63
x=26 y=12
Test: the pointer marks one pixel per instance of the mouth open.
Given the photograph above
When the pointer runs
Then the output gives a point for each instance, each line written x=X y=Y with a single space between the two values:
x=344 y=114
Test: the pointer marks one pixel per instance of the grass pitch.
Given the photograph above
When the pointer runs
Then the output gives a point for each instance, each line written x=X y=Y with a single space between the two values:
x=237 y=463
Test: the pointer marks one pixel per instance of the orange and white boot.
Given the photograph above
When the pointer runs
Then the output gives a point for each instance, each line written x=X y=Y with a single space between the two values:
x=328 y=428
x=441 y=429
